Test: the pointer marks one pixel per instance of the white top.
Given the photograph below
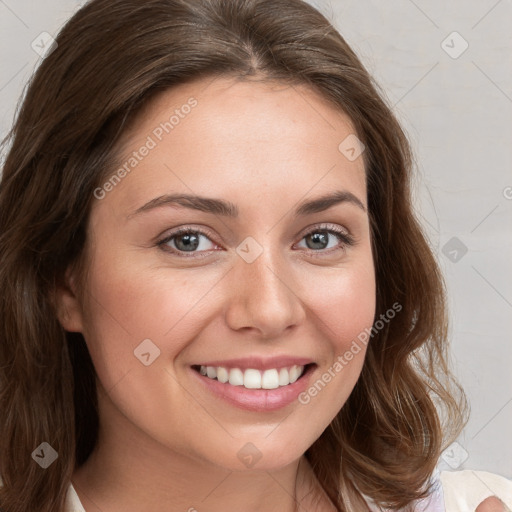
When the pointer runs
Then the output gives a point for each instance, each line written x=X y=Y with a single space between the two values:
x=462 y=491
x=455 y=491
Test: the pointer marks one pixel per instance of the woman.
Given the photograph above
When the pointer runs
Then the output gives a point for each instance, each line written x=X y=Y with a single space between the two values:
x=215 y=293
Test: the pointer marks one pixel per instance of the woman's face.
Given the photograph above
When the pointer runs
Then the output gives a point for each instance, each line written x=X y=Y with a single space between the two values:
x=262 y=278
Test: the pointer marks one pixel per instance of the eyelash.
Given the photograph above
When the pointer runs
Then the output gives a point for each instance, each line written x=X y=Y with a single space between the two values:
x=346 y=239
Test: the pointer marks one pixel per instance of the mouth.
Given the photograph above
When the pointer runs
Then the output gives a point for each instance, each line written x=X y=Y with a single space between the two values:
x=252 y=378
x=257 y=383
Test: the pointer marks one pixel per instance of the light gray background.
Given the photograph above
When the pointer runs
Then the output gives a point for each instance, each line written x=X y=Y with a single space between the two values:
x=457 y=113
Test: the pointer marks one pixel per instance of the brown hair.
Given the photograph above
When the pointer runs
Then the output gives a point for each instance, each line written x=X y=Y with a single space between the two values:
x=112 y=56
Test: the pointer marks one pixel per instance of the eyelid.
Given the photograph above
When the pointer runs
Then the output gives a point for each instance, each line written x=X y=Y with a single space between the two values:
x=325 y=226
x=191 y=228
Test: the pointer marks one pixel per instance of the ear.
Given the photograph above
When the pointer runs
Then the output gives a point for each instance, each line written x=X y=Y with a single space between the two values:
x=67 y=304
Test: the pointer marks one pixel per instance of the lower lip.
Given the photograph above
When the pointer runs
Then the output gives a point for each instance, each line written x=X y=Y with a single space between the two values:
x=257 y=399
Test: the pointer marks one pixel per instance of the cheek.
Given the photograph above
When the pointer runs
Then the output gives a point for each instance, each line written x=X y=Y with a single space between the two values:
x=343 y=304
x=344 y=312
x=157 y=312
x=129 y=304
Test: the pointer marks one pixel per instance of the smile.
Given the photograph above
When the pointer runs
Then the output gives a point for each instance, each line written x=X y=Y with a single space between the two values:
x=251 y=378
x=260 y=390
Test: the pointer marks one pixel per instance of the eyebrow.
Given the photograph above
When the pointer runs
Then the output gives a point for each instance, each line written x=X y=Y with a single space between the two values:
x=228 y=209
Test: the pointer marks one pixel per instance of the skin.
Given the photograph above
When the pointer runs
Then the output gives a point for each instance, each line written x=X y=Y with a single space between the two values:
x=491 y=504
x=165 y=444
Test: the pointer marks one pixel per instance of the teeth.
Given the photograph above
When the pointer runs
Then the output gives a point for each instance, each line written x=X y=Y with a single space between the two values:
x=295 y=373
x=270 y=379
x=236 y=377
x=284 y=377
x=254 y=379
x=222 y=374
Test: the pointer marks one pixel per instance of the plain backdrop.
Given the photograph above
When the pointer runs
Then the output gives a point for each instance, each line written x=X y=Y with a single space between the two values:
x=445 y=67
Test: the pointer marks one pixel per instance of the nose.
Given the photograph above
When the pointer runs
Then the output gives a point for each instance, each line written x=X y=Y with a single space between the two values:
x=264 y=297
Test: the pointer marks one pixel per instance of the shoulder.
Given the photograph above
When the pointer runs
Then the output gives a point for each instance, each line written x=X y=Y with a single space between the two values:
x=465 y=490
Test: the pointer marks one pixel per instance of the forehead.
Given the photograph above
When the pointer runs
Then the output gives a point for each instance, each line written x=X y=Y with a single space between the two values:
x=209 y=136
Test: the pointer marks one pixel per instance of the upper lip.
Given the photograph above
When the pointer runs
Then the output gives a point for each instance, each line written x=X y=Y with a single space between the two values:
x=260 y=363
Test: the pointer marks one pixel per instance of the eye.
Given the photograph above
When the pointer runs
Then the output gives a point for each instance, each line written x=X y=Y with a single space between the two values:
x=186 y=240
x=327 y=239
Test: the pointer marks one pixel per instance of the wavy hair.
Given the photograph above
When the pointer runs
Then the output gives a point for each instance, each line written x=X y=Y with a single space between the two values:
x=112 y=57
